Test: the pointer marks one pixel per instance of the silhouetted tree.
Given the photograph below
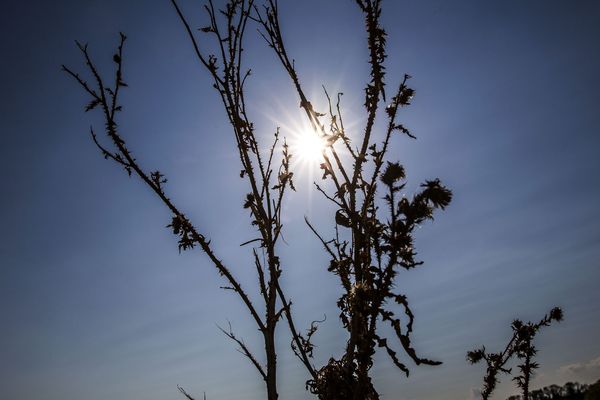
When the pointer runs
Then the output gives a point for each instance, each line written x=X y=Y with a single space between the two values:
x=371 y=244
x=521 y=346
x=569 y=391
x=593 y=391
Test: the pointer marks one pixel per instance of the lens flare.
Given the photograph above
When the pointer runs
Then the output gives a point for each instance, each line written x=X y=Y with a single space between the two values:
x=308 y=146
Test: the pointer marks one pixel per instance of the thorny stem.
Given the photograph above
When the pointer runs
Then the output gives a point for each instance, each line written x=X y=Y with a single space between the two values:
x=367 y=287
x=264 y=205
x=520 y=345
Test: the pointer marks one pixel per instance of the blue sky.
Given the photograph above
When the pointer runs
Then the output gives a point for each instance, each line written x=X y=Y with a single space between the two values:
x=97 y=303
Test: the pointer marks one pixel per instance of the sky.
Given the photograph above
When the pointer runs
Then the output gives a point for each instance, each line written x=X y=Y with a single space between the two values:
x=96 y=302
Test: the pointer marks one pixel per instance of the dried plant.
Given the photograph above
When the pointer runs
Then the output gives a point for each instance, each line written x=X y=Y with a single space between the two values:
x=370 y=245
x=519 y=346
x=268 y=183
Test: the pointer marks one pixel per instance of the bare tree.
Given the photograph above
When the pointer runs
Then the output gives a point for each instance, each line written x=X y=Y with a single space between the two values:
x=371 y=244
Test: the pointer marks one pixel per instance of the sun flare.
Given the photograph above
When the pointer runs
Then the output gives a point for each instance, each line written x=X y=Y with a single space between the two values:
x=308 y=146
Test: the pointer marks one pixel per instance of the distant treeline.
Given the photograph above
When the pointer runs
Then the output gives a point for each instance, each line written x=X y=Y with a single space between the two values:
x=570 y=391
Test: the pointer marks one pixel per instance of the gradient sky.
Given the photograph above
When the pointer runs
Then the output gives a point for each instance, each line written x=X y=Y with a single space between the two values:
x=97 y=303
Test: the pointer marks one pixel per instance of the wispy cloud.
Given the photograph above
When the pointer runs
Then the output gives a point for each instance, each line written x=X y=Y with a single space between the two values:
x=583 y=371
x=474 y=394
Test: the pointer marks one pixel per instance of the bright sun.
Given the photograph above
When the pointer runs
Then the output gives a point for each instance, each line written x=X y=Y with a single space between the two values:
x=308 y=146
